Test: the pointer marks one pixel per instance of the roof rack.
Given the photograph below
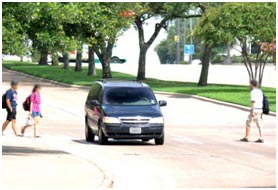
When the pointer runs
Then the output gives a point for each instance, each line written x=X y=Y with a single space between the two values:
x=119 y=79
x=136 y=80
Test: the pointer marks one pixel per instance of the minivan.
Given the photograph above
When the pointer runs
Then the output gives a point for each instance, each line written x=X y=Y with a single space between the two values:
x=123 y=110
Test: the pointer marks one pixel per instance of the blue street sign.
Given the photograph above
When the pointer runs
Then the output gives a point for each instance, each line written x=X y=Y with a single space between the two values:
x=189 y=49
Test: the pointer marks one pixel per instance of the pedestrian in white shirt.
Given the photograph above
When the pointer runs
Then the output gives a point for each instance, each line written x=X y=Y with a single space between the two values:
x=256 y=112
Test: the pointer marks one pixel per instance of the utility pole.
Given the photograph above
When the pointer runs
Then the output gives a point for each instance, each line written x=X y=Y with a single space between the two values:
x=184 y=37
x=191 y=40
x=178 y=41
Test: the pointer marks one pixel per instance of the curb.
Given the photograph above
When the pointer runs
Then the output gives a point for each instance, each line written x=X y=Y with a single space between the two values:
x=243 y=108
x=107 y=179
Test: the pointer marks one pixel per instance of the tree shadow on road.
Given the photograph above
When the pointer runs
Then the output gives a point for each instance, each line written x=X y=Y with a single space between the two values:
x=25 y=151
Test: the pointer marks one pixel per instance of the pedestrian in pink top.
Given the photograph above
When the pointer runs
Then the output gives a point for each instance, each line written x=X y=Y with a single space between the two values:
x=35 y=111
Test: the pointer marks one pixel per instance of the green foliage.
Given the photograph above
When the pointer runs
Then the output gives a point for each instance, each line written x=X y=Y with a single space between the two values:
x=106 y=24
x=237 y=59
x=240 y=21
x=14 y=40
x=166 y=49
x=219 y=92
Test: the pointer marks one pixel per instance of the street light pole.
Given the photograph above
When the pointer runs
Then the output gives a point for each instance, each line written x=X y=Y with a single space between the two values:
x=184 y=37
x=190 y=37
x=178 y=41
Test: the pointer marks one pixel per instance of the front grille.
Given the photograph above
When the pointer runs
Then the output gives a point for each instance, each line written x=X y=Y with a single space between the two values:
x=131 y=121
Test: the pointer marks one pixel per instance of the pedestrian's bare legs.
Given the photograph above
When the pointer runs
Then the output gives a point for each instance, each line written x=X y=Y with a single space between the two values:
x=260 y=126
x=5 y=125
x=247 y=131
x=14 y=127
x=24 y=128
x=36 y=126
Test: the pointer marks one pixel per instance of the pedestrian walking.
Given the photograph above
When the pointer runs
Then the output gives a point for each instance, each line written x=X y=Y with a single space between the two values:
x=9 y=102
x=34 y=110
x=256 y=112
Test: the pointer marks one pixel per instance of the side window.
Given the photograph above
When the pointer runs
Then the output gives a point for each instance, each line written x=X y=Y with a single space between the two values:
x=94 y=92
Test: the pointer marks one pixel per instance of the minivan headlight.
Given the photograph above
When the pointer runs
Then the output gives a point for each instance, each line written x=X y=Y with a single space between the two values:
x=157 y=120
x=110 y=120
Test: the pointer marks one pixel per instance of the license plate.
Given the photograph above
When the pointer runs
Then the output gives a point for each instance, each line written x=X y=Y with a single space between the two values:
x=135 y=130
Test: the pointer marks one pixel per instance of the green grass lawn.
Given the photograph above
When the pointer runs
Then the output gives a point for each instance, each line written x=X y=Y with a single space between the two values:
x=228 y=93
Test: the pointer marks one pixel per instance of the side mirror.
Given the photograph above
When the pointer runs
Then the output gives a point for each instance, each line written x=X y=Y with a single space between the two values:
x=94 y=103
x=162 y=103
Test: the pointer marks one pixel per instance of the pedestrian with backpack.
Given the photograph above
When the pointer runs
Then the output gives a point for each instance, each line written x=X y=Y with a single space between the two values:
x=259 y=106
x=32 y=104
x=9 y=102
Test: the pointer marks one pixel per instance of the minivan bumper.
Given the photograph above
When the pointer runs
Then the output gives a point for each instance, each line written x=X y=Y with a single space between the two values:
x=123 y=132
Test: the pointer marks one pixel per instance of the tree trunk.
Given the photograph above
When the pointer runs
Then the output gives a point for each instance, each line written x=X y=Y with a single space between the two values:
x=43 y=58
x=105 y=58
x=203 y=81
x=78 y=64
x=66 y=60
x=21 y=58
x=228 y=58
x=145 y=45
x=91 y=63
x=55 y=60
x=106 y=70
x=141 y=74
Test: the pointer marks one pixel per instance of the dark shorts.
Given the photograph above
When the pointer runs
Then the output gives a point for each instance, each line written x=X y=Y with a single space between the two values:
x=11 y=115
x=36 y=114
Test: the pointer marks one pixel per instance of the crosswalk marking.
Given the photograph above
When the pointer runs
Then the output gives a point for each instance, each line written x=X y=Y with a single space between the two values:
x=253 y=154
x=186 y=140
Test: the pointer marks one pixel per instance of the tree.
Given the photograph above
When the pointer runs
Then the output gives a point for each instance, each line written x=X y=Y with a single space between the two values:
x=107 y=25
x=166 y=12
x=14 y=38
x=207 y=9
x=235 y=22
x=45 y=28
x=267 y=50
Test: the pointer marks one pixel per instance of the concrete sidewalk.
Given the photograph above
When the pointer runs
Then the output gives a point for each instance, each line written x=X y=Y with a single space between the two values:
x=30 y=164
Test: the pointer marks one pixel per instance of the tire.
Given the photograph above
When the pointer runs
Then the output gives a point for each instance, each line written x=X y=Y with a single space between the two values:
x=160 y=140
x=101 y=138
x=145 y=140
x=89 y=135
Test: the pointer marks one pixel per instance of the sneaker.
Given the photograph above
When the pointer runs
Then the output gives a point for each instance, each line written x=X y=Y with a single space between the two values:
x=244 y=139
x=259 y=141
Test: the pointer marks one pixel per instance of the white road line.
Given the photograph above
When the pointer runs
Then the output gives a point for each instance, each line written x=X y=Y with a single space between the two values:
x=252 y=154
x=187 y=140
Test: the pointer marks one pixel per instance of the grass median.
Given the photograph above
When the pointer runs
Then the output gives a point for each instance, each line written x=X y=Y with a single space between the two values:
x=228 y=93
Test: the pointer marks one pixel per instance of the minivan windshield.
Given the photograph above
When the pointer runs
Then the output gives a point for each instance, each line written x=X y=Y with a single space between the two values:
x=129 y=96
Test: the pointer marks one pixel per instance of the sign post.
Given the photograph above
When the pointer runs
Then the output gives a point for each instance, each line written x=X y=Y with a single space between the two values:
x=188 y=52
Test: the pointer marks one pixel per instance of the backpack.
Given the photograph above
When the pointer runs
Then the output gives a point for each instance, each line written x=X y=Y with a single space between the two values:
x=27 y=103
x=4 y=103
x=265 y=105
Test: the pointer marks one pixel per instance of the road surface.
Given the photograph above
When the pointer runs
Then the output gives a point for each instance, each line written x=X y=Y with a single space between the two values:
x=202 y=147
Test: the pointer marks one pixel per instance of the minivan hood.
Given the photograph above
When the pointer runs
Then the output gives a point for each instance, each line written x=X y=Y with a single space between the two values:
x=132 y=111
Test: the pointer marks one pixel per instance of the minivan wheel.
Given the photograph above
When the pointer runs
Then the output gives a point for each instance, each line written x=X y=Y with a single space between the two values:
x=101 y=138
x=160 y=140
x=90 y=137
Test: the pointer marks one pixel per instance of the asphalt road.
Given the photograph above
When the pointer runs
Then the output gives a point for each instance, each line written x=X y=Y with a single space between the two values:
x=202 y=147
